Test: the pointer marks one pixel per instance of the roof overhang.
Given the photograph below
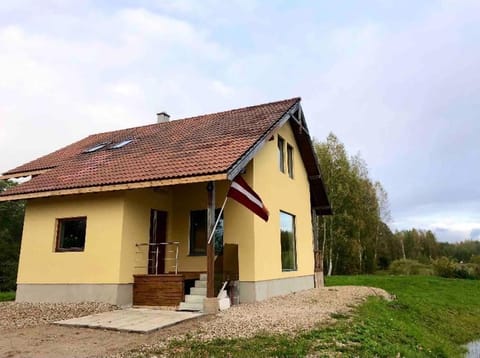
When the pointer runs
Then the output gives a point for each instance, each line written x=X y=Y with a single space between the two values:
x=116 y=187
x=22 y=174
x=318 y=193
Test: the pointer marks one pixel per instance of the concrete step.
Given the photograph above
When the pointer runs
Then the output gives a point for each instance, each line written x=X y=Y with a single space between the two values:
x=184 y=306
x=202 y=291
x=203 y=277
x=194 y=299
x=200 y=283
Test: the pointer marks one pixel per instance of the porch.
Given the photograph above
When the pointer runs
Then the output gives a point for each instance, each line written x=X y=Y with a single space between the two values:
x=164 y=287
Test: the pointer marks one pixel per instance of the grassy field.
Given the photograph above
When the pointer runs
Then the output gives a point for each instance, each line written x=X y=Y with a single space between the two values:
x=431 y=317
x=7 y=296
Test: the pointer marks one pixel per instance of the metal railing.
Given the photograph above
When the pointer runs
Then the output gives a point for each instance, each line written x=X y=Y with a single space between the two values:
x=154 y=259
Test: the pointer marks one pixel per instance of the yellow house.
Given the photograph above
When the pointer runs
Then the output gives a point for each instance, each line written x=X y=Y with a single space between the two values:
x=123 y=217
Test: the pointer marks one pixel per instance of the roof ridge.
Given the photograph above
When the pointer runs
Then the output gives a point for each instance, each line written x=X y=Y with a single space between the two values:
x=296 y=99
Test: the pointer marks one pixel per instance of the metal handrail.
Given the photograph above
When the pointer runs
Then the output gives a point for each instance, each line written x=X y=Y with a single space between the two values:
x=157 y=245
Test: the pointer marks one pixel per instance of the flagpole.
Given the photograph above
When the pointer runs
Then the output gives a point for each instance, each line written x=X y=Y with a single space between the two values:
x=217 y=221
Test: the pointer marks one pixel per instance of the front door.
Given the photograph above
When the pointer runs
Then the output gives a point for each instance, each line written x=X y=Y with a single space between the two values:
x=158 y=237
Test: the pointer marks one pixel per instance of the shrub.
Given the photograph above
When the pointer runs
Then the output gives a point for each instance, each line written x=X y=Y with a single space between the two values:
x=409 y=267
x=444 y=267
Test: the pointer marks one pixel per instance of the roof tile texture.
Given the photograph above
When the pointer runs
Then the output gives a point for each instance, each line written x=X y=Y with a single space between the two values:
x=206 y=144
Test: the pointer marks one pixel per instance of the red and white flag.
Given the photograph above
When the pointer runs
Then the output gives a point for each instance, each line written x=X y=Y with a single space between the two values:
x=241 y=192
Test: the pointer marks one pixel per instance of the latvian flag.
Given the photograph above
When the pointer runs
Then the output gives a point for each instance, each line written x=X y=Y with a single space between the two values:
x=241 y=192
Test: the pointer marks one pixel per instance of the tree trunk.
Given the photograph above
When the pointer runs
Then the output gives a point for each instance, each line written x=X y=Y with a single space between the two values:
x=330 y=259
x=360 y=256
x=324 y=237
x=403 y=249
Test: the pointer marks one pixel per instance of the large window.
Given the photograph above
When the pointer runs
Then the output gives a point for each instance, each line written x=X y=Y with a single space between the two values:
x=281 y=154
x=287 y=240
x=198 y=233
x=71 y=234
x=290 y=160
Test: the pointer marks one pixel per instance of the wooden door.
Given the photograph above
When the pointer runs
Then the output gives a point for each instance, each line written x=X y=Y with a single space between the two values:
x=158 y=235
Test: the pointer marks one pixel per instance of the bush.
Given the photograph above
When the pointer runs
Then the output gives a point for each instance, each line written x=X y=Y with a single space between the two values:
x=8 y=275
x=409 y=267
x=445 y=267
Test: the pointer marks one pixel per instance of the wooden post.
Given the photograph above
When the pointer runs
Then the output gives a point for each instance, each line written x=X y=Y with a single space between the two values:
x=210 y=247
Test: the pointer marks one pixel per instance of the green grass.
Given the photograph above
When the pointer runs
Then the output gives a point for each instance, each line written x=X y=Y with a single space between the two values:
x=7 y=296
x=431 y=317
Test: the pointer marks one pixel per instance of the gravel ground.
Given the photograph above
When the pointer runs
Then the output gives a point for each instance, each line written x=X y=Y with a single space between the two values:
x=287 y=314
x=20 y=315
x=24 y=331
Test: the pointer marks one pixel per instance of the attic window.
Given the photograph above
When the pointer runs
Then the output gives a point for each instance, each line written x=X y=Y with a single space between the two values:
x=121 y=144
x=95 y=148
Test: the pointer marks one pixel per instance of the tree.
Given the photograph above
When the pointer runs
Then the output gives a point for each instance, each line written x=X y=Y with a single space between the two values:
x=350 y=236
x=11 y=225
x=336 y=169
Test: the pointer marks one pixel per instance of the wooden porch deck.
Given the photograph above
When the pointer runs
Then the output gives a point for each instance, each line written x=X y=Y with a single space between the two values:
x=169 y=289
x=161 y=290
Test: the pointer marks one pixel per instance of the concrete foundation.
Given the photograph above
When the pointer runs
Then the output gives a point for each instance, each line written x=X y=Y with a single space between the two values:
x=251 y=291
x=117 y=294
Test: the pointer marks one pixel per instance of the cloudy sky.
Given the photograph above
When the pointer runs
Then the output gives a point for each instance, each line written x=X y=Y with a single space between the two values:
x=397 y=81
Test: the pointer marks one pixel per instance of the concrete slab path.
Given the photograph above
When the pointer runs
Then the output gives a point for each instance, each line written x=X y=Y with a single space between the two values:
x=141 y=320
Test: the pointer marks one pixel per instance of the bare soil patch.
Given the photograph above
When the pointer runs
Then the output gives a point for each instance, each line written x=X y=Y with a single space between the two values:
x=25 y=330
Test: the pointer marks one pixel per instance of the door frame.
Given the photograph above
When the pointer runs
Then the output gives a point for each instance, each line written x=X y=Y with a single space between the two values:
x=158 y=235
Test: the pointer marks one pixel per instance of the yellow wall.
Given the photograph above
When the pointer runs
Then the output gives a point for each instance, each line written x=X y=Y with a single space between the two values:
x=238 y=224
x=238 y=229
x=136 y=228
x=179 y=201
x=98 y=263
x=280 y=192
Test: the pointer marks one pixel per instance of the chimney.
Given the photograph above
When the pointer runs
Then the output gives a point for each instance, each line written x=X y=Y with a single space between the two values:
x=163 y=117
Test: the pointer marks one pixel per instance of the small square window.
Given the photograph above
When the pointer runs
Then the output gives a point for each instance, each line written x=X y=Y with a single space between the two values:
x=71 y=234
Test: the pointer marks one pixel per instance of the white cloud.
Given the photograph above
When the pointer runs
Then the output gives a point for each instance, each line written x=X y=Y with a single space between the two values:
x=402 y=91
x=406 y=98
x=115 y=74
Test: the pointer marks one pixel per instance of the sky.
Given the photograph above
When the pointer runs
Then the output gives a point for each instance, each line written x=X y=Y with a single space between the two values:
x=396 y=81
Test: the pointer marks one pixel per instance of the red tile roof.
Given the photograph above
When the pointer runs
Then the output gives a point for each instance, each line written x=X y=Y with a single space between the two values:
x=207 y=144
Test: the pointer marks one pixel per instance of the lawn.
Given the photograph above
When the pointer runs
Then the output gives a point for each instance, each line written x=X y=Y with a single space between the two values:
x=7 y=296
x=430 y=317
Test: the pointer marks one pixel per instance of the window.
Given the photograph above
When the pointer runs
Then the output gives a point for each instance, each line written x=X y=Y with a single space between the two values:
x=281 y=154
x=121 y=144
x=71 y=234
x=288 y=242
x=290 y=160
x=95 y=148
x=198 y=233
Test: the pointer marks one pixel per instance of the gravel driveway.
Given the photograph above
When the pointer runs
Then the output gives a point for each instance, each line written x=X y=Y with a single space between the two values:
x=25 y=332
